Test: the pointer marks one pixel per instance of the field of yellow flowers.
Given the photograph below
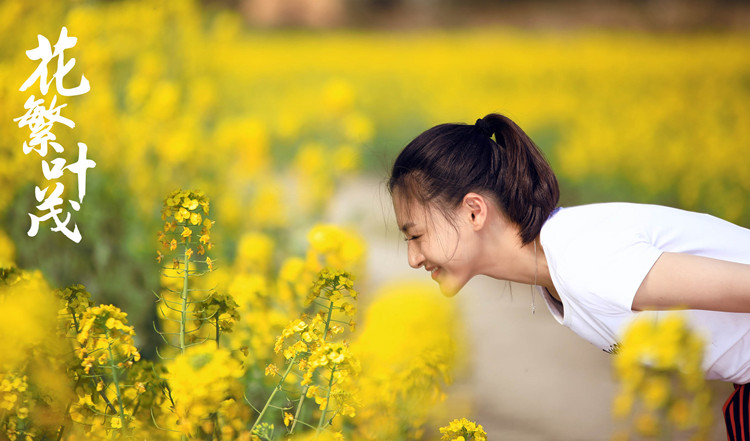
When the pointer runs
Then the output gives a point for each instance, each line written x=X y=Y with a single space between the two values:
x=248 y=328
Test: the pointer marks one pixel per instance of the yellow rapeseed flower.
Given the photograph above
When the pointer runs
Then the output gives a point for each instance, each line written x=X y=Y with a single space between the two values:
x=463 y=430
x=201 y=379
x=288 y=418
x=271 y=369
x=190 y=204
x=181 y=215
x=22 y=413
x=195 y=218
x=659 y=364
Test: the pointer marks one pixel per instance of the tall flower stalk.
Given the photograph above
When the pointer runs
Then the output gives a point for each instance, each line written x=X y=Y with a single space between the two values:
x=311 y=351
x=106 y=350
x=188 y=228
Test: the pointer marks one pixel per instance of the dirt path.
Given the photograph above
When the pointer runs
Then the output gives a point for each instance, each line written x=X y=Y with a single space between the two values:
x=530 y=379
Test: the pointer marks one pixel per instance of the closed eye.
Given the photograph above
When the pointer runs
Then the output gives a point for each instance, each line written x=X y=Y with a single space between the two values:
x=412 y=238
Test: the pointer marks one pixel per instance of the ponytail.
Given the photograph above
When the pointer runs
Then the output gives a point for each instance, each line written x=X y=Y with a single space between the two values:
x=446 y=162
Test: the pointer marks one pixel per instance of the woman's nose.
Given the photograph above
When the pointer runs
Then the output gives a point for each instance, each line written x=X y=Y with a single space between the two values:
x=416 y=259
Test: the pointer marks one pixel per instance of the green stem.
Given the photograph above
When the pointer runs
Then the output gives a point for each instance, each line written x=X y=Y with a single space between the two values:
x=299 y=408
x=217 y=431
x=183 y=311
x=184 y=298
x=328 y=320
x=275 y=389
x=217 y=330
x=304 y=392
x=328 y=401
x=75 y=321
x=21 y=428
x=115 y=380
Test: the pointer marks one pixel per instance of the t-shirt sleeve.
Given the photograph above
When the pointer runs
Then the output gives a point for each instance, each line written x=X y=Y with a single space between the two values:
x=610 y=267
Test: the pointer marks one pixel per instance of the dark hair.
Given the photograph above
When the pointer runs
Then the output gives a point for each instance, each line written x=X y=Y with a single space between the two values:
x=448 y=161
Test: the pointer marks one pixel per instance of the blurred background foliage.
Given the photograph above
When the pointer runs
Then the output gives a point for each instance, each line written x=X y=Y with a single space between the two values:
x=267 y=113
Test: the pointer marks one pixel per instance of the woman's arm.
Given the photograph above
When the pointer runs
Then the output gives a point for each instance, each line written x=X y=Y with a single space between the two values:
x=694 y=282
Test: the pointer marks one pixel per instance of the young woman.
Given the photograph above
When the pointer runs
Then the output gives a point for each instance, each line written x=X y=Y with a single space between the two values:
x=470 y=204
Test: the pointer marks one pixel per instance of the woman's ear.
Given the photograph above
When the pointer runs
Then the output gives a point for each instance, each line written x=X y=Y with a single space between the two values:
x=476 y=206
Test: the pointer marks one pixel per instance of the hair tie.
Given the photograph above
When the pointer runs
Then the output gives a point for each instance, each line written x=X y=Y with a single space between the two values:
x=484 y=127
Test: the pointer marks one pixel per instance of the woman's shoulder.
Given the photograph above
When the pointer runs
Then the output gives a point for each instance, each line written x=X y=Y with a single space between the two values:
x=589 y=232
x=601 y=251
x=567 y=223
x=615 y=215
x=613 y=210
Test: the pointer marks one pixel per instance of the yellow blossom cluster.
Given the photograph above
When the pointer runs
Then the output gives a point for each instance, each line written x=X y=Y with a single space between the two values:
x=185 y=304
x=263 y=431
x=104 y=349
x=203 y=384
x=183 y=212
x=402 y=379
x=105 y=339
x=25 y=300
x=662 y=386
x=308 y=336
x=312 y=345
x=75 y=300
x=334 y=285
x=221 y=309
x=32 y=359
x=11 y=387
x=14 y=401
x=463 y=430
x=342 y=365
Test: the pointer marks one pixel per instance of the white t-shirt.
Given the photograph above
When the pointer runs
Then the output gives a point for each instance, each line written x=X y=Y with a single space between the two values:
x=599 y=254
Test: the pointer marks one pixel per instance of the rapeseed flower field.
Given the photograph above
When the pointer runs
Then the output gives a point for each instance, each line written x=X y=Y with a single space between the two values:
x=250 y=296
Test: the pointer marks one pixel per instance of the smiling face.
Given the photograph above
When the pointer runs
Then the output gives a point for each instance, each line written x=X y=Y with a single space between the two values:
x=435 y=243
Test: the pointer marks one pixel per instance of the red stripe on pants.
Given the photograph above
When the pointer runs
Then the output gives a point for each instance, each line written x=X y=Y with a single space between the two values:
x=743 y=405
x=737 y=413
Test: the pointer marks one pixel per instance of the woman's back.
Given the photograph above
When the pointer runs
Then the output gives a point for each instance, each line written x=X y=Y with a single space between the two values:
x=599 y=254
